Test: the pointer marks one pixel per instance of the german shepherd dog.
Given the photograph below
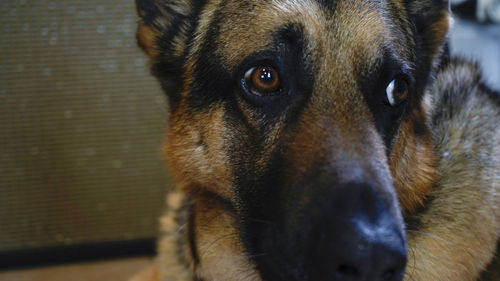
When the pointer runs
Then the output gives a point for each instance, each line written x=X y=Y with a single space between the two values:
x=322 y=140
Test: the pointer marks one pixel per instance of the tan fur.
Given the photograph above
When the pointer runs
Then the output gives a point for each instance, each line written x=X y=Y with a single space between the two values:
x=413 y=168
x=460 y=230
x=174 y=261
x=146 y=37
x=249 y=28
x=192 y=162
x=221 y=253
x=440 y=30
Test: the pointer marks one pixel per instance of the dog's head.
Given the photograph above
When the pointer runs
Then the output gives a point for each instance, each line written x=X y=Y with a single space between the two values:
x=296 y=125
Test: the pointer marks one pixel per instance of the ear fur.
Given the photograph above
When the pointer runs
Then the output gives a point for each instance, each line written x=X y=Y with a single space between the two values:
x=431 y=20
x=163 y=33
x=163 y=26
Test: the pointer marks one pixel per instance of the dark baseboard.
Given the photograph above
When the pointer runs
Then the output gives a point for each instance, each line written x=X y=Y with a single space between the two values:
x=76 y=253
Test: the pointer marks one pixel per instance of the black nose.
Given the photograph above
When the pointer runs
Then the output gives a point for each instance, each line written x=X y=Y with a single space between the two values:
x=368 y=258
x=360 y=235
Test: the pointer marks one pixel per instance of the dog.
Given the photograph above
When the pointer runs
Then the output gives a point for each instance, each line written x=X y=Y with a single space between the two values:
x=322 y=140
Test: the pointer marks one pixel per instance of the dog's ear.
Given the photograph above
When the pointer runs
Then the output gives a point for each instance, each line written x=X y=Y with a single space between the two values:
x=163 y=31
x=431 y=20
x=163 y=26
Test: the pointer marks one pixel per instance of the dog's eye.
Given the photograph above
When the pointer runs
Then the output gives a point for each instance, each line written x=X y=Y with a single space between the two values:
x=262 y=81
x=397 y=91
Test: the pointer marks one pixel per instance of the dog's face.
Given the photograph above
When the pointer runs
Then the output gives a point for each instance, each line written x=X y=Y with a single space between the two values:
x=296 y=125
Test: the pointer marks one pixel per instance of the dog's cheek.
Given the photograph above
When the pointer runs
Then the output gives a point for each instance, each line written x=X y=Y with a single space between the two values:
x=195 y=151
x=413 y=164
x=221 y=253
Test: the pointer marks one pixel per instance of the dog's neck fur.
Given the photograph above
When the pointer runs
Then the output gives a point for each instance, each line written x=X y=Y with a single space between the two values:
x=462 y=211
x=173 y=261
x=463 y=119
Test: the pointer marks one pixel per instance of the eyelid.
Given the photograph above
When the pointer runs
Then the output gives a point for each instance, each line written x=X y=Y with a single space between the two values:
x=405 y=73
x=264 y=57
x=397 y=66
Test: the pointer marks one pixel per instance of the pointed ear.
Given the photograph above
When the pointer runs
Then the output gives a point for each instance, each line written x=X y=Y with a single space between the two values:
x=163 y=32
x=163 y=27
x=431 y=20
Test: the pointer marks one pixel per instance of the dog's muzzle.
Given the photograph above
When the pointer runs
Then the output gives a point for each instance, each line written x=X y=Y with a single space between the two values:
x=358 y=235
x=345 y=232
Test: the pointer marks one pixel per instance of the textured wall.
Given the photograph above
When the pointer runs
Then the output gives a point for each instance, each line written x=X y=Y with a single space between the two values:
x=81 y=123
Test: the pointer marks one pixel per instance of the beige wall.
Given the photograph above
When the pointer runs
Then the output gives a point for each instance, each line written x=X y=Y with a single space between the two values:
x=81 y=123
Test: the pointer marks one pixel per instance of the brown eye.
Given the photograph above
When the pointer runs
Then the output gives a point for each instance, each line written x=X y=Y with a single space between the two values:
x=397 y=91
x=262 y=80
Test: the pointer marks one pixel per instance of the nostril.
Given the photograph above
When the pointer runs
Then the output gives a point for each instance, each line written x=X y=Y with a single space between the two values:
x=387 y=276
x=345 y=270
x=350 y=272
x=392 y=274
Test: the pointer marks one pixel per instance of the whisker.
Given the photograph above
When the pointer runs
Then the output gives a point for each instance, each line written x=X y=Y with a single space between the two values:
x=206 y=251
x=258 y=255
x=261 y=221
x=180 y=228
x=247 y=275
x=432 y=236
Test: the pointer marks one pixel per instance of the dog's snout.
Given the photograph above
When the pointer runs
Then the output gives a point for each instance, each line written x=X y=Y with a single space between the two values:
x=368 y=258
x=361 y=237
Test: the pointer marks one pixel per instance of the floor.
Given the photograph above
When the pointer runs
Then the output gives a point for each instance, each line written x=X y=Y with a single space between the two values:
x=110 y=270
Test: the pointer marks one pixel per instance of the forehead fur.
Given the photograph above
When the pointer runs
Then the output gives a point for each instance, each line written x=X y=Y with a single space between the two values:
x=352 y=30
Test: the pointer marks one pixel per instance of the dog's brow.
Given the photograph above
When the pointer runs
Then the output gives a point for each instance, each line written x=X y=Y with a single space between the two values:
x=284 y=39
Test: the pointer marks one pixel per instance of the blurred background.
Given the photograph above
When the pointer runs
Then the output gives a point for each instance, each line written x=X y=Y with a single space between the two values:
x=81 y=128
x=476 y=34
